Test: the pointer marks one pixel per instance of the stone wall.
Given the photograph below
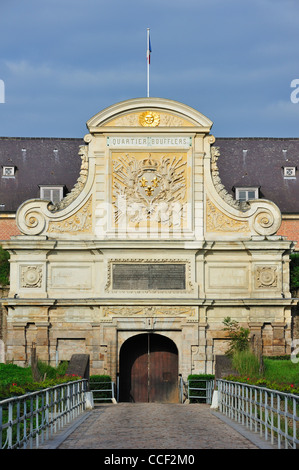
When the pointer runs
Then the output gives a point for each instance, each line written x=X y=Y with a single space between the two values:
x=3 y=293
x=3 y=325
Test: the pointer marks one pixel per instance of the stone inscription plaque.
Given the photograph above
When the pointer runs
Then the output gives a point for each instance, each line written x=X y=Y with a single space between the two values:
x=149 y=276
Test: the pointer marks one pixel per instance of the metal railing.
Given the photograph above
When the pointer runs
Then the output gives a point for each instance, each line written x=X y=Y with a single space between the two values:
x=28 y=420
x=104 y=392
x=201 y=389
x=271 y=413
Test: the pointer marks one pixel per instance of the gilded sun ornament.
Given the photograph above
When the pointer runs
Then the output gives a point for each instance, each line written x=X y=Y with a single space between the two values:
x=149 y=119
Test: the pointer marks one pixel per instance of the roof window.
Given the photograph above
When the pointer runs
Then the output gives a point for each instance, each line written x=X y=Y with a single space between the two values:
x=246 y=194
x=51 y=193
x=289 y=172
x=8 y=171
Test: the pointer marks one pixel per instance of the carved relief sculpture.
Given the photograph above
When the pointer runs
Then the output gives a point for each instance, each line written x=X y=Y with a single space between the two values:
x=149 y=188
x=71 y=196
x=266 y=276
x=149 y=311
x=149 y=119
x=31 y=276
x=217 y=221
x=79 y=222
x=215 y=154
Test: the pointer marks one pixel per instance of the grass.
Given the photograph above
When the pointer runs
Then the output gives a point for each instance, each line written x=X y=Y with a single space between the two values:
x=246 y=363
x=283 y=371
x=278 y=374
x=281 y=374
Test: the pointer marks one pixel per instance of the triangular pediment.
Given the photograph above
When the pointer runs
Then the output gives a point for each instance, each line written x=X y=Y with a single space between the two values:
x=156 y=113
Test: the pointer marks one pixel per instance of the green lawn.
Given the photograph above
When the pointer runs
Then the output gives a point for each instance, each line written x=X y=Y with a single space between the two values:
x=282 y=371
x=278 y=374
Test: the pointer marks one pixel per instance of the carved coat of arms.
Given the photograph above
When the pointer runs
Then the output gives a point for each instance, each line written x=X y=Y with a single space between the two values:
x=150 y=188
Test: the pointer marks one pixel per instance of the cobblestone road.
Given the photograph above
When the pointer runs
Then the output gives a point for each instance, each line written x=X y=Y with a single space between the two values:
x=154 y=426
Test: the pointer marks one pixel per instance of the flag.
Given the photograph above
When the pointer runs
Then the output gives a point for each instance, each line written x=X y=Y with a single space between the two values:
x=149 y=49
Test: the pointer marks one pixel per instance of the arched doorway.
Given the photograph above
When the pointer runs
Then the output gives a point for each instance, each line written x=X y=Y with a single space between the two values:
x=149 y=369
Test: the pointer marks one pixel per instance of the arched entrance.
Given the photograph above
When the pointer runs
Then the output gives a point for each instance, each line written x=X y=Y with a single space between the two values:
x=149 y=369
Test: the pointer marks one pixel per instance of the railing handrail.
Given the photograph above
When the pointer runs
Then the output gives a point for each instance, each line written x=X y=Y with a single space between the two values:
x=36 y=392
x=208 y=389
x=111 y=390
x=290 y=395
x=39 y=414
x=272 y=413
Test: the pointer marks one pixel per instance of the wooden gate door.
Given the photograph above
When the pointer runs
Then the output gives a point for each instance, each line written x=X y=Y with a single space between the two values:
x=149 y=369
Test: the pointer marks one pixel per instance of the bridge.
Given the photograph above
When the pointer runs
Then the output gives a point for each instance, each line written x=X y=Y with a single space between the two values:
x=156 y=426
x=239 y=416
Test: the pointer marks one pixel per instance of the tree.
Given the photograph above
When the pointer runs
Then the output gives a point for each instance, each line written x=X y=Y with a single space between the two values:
x=294 y=271
x=4 y=267
x=238 y=336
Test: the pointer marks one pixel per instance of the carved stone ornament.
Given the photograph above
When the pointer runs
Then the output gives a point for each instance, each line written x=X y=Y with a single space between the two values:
x=150 y=188
x=266 y=276
x=31 y=276
x=149 y=119
x=149 y=311
x=137 y=119
x=71 y=196
x=34 y=222
x=265 y=222
x=79 y=222
x=228 y=198
x=217 y=221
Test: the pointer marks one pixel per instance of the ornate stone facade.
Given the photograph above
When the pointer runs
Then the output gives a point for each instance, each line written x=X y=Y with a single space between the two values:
x=147 y=241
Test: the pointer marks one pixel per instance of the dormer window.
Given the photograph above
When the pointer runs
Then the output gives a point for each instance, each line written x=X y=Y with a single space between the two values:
x=246 y=194
x=289 y=172
x=8 y=171
x=51 y=193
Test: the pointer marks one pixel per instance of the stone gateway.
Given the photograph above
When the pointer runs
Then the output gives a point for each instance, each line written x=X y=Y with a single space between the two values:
x=146 y=256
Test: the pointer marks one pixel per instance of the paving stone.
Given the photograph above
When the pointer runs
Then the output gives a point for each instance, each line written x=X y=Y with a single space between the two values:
x=154 y=426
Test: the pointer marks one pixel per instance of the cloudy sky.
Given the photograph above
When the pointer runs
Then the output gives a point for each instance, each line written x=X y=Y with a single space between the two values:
x=62 y=61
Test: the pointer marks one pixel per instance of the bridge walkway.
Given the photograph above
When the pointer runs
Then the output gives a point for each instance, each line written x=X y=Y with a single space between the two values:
x=154 y=426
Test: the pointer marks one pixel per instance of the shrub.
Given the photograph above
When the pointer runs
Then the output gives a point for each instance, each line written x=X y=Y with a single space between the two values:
x=100 y=382
x=199 y=381
x=294 y=271
x=4 y=267
x=47 y=371
x=281 y=387
x=16 y=380
x=11 y=373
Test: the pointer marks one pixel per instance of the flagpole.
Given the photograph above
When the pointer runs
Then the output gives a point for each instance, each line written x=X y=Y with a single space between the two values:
x=148 y=59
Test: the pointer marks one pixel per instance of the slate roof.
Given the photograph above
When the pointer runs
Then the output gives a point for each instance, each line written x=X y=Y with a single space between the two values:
x=38 y=161
x=259 y=162
x=243 y=162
